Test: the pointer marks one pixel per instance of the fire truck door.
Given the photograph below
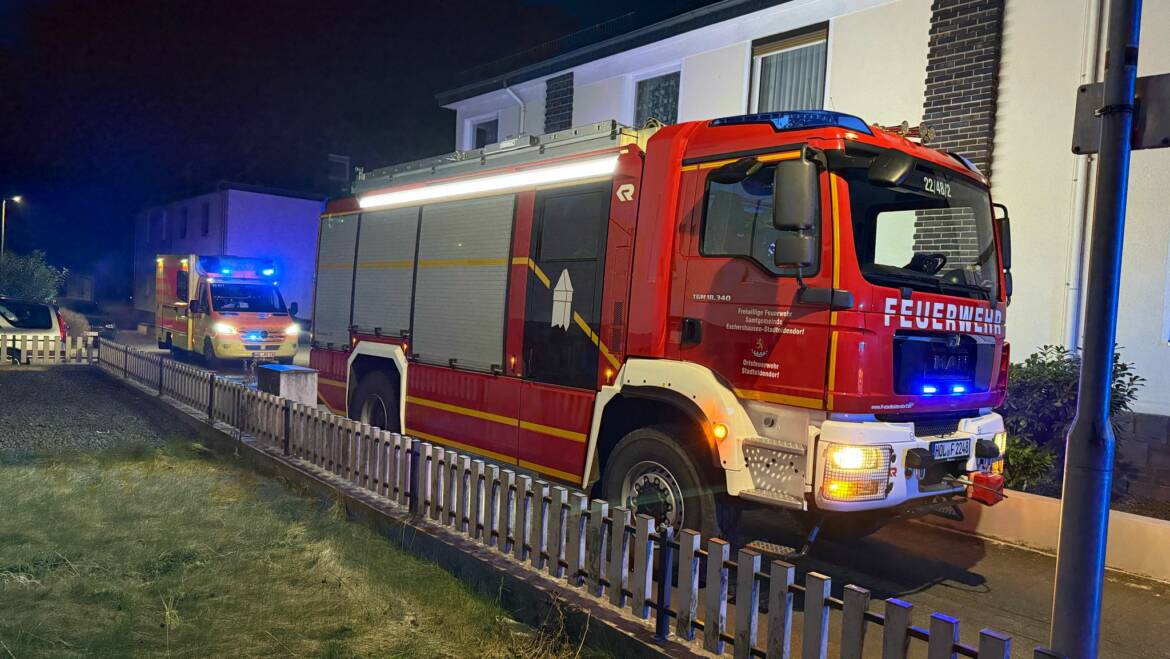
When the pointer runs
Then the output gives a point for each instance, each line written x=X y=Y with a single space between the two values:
x=562 y=316
x=741 y=314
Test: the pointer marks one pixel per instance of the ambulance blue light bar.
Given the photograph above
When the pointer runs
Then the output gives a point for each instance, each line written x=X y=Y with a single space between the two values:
x=798 y=120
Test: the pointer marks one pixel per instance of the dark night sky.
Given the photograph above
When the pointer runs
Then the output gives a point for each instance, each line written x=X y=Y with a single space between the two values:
x=106 y=107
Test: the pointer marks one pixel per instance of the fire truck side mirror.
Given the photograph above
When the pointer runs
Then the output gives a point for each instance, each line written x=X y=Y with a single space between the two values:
x=794 y=249
x=1005 y=236
x=890 y=169
x=797 y=204
x=193 y=306
x=293 y=308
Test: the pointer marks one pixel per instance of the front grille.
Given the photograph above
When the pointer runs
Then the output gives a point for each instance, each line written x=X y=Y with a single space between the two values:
x=936 y=427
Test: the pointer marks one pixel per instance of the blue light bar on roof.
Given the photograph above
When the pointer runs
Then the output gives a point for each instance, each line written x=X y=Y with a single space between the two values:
x=798 y=120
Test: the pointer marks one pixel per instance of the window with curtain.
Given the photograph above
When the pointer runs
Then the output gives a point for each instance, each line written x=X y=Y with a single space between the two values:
x=790 y=72
x=657 y=98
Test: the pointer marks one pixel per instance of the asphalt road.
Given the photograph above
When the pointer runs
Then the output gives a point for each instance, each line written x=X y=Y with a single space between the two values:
x=984 y=584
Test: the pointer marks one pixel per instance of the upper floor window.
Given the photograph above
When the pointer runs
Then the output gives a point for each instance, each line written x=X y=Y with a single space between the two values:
x=205 y=219
x=484 y=133
x=657 y=98
x=788 y=71
x=183 y=222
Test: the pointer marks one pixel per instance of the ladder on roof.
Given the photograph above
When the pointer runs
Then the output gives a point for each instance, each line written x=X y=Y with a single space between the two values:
x=518 y=150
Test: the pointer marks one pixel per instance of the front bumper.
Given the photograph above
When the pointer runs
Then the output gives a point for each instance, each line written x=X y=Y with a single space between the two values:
x=904 y=486
x=233 y=347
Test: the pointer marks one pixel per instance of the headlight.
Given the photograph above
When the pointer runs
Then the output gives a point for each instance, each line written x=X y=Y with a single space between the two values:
x=856 y=473
x=1000 y=440
x=223 y=328
x=292 y=330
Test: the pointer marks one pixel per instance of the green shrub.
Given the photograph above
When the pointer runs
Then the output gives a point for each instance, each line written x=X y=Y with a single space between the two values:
x=30 y=277
x=1040 y=405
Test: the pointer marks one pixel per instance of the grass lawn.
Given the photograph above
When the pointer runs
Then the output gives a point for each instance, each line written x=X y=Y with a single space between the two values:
x=164 y=550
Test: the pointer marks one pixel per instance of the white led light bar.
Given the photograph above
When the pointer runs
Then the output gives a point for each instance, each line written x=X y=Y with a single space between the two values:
x=574 y=171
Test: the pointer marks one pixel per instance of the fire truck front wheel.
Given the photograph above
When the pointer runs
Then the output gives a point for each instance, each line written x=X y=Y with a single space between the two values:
x=651 y=472
x=375 y=401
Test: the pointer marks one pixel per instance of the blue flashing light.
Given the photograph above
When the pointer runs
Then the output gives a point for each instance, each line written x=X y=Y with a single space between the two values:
x=958 y=389
x=929 y=389
x=798 y=120
x=268 y=272
x=225 y=271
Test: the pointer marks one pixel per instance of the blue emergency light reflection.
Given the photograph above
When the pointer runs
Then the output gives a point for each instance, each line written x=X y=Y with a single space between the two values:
x=268 y=272
x=226 y=271
x=929 y=389
x=958 y=389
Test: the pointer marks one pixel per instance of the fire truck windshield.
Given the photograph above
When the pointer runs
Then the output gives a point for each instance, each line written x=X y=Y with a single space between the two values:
x=247 y=298
x=932 y=233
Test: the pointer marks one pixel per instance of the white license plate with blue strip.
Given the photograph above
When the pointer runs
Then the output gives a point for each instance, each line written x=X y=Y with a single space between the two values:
x=950 y=449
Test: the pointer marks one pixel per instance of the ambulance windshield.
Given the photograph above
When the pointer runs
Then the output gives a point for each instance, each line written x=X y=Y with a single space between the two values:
x=932 y=233
x=247 y=298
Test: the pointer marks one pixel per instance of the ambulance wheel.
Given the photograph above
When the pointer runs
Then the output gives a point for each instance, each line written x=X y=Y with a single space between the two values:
x=375 y=401
x=284 y=360
x=650 y=472
x=209 y=358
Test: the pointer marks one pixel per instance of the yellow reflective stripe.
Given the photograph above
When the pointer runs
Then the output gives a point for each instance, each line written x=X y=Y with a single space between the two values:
x=335 y=266
x=596 y=340
x=444 y=263
x=466 y=411
x=771 y=157
x=563 y=475
x=832 y=368
x=460 y=445
x=378 y=265
x=524 y=260
x=782 y=399
x=555 y=432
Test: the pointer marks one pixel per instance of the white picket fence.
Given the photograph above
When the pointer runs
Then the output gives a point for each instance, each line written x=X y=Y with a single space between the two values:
x=590 y=546
x=46 y=349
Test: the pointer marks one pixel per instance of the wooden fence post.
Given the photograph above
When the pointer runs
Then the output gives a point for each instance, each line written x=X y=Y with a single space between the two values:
x=595 y=542
x=747 y=602
x=715 y=608
x=619 y=556
x=642 y=580
x=575 y=549
x=522 y=544
x=286 y=445
x=665 y=576
x=853 y=622
x=556 y=530
x=816 y=615
x=780 y=609
x=896 y=630
x=944 y=633
x=993 y=644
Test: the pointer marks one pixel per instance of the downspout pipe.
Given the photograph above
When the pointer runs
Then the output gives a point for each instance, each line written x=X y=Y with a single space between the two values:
x=1082 y=175
x=523 y=108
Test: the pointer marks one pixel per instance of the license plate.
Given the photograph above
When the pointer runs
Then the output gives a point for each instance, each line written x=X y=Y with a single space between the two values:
x=264 y=355
x=950 y=449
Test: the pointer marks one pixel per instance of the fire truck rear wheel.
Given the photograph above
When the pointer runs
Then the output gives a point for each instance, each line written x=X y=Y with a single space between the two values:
x=651 y=472
x=375 y=401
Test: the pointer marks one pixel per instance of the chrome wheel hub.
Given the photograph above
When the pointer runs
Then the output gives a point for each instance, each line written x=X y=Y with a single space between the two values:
x=650 y=489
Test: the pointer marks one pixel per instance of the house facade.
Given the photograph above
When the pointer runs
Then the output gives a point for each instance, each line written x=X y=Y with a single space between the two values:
x=996 y=80
x=234 y=220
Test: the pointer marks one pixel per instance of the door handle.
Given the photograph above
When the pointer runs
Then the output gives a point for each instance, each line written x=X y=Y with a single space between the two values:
x=692 y=331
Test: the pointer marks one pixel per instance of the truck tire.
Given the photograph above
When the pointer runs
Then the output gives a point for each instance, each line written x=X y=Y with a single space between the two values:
x=375 y=401
x=650 y=472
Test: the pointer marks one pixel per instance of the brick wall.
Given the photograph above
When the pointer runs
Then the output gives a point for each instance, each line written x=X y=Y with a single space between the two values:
x=962 y=76
x=558 y=103
x=1143 y=456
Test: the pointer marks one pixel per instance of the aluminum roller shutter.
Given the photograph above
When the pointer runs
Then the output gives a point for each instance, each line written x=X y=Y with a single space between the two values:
x=385 y=274
x=335 y=253
x=462 y=280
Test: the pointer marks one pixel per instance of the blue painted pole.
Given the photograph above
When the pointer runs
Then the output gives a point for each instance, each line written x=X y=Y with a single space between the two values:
x=1088 y=471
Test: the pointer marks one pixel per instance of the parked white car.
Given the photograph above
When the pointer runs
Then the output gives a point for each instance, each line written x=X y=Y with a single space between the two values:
x=27 y=326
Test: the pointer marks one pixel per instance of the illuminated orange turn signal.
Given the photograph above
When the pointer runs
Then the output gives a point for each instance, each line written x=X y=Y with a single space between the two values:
x=719 y=431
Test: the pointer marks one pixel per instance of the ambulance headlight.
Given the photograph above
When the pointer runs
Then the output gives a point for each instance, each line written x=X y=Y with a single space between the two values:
x=292 y=330
x=223 y=328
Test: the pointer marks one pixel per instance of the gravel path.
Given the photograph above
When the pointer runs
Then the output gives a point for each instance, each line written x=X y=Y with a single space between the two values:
x=55 y=408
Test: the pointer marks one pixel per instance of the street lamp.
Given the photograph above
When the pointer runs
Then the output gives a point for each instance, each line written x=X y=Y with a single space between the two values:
x=4 y=219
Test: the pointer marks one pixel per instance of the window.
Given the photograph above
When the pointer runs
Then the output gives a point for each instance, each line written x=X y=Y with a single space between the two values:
x=569 y=233
x=657 y=98
x=25 y=315
x=182 y=281
x=205 y=220
x=247 y=297
x=338 y=168
x=182 y=222
x=789 y=72
x=484 y=133
x=738 y=222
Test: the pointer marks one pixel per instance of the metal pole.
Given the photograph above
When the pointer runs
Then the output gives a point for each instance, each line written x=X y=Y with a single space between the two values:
x=3 y=225
x=1088 y=472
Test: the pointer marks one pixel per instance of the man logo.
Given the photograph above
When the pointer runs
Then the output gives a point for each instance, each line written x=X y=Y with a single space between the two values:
x=625 y=192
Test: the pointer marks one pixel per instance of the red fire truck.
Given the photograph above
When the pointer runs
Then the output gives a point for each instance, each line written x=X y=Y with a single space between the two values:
x=796 y=309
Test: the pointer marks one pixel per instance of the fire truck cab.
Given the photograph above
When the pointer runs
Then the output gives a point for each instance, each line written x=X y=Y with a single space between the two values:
x=223 y=307
x=798 y=310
